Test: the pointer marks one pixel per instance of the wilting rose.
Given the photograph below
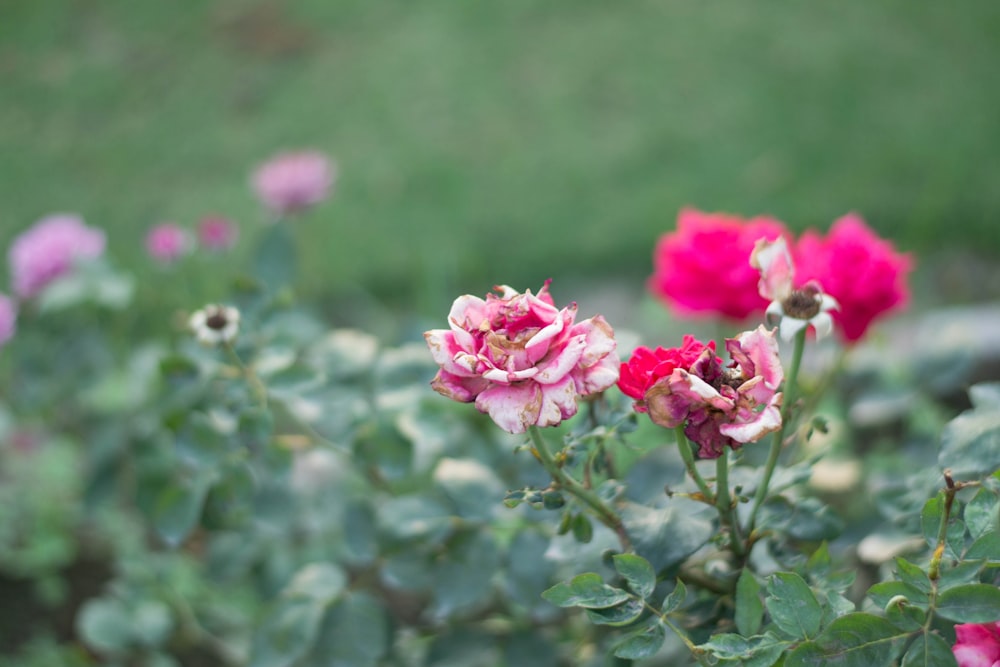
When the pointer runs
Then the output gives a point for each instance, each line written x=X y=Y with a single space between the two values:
x=522 y=360
x=977 y=644
x=723 y=406
x=48 y=249
x=703 y=268
x=645 y=367
x=793 y=309
x=864 y=273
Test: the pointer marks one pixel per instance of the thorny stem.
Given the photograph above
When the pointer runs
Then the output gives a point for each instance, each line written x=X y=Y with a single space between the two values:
x=698 y=653
x=788 y=400
x=684 y=446
x=607 y=515
x=934 y=569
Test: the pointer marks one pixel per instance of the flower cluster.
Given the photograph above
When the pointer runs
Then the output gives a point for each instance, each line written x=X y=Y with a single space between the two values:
x=48 y=250
x=168 y=242
x=701 y=269
x=977 y=644
x=718 y=406
x=521 y=359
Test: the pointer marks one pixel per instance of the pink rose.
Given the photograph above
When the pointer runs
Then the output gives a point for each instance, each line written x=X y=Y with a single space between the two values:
x=48 y=249
x=522 y=360
x=723 y=406
x=702 y=268
x=217 y=233
x=167 y=242
x=294 y=181
x=977 y=644
x=863 y=272
x=8 y=319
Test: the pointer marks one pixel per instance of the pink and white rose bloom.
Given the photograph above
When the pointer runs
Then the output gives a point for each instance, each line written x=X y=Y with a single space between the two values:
x=294 y=181
x=522 y=360
x=793 y=309
x=977 y=644
x=723 y=406
x=8 y=318
x=49 y=249
x=167 y=242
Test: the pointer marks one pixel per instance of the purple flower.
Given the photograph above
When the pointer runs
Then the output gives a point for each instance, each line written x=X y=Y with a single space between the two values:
x=8 y=318
x=294 y=181
x=49 y=248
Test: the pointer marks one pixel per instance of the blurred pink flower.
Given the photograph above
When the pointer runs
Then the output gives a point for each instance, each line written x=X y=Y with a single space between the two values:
x=793 y=309
x=521 y=359
x=294 y=181
x=167 y=242
x=217 y=233
x=8 y=318
x=977 y=644
x=864 y=273
x=48 y=250
x=723 y=406
x=701 y=268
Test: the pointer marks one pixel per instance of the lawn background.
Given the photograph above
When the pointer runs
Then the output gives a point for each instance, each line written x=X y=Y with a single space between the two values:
x=488 y=142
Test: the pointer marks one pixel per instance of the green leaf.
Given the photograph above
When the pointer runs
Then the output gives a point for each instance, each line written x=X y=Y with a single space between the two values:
x=641 y=643
x=966 y=572
x=637 y=572
x=852 y=640
x=585 y=590
x=884 y=591
x=759 y=651
x=463 y=576
x=749 y=608
x=985 y=395
x=970 y=603
x=930 y=518
x=913 y=575
x=621 y=614
x=667 y=536
x=982 y=513
x=355 y=632
x=929 y=650
x=675 y=598
x=792 y=605
x=152 y=622
x=292 y=625
x=970 y=444
x=583 y=530
x=986 y=547
x=177 y=507
x=474 y=488
x=105 y=624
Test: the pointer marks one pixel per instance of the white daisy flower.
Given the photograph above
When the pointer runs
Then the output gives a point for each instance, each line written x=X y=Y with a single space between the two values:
x=215 y=324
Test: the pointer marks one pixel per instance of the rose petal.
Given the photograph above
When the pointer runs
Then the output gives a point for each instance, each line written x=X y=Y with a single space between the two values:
x=513 y=407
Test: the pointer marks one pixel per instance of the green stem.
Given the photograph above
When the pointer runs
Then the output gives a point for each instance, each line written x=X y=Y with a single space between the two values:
x=724 y=503
x=607 y=515
x=788 y=399
x=687 y=455
x=256 y=386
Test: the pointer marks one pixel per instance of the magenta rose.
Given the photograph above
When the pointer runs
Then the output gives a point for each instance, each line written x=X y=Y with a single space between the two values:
x=723 y=406
x=703 y=268
x=522 y=360
x=49 y=249
x=977 y=644
x=864 y=273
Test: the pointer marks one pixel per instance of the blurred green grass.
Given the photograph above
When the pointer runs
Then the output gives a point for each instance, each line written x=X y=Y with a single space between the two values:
x=488 y=142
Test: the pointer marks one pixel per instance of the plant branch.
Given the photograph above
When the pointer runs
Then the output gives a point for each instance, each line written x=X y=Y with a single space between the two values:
x=687 y=455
